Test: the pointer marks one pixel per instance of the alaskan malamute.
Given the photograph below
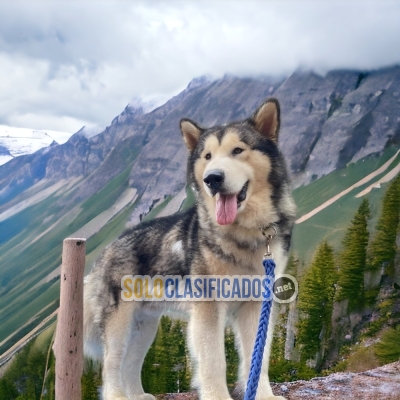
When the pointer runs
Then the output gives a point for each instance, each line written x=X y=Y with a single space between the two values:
x=239 y=177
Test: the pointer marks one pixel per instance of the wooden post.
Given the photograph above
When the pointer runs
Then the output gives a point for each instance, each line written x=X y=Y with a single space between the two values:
x=68 y=344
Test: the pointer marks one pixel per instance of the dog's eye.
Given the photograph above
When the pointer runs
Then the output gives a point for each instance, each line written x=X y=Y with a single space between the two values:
x=237 y=150
x=208 y=156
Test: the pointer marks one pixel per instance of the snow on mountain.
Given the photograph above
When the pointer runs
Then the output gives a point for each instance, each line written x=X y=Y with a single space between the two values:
x=90 y=132
x=16 y=142
x=147 y=105
x=4 y=159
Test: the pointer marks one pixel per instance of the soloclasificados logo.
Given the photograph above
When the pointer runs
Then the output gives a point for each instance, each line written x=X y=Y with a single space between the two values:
x=283 y=288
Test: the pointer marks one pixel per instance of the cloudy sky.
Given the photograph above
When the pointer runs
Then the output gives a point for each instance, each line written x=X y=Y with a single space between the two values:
x=68 y=64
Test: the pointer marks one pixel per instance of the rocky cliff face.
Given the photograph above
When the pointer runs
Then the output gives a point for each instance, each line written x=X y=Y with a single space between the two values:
x=327 y=122
x=362 y=121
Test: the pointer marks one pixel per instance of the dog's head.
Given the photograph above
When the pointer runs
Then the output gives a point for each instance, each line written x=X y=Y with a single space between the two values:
x=237 y=169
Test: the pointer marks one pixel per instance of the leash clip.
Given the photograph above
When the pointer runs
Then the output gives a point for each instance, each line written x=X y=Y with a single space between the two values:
x=268 y=238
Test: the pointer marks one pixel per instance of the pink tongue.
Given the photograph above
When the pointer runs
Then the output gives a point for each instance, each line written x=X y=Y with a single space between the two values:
x=226 y=209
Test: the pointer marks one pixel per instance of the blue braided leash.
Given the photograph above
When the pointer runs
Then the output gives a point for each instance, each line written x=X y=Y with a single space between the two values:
x=258 y=351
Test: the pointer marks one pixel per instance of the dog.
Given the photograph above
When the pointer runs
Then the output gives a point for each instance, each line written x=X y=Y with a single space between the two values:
x=241 y=185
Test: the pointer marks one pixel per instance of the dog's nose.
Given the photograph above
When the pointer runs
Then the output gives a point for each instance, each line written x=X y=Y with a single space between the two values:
x=214 y=179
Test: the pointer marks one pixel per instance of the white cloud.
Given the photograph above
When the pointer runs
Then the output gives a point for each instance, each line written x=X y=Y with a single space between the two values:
x=67 y=63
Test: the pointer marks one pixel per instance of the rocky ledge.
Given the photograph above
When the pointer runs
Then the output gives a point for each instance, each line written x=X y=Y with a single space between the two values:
x=381 y=383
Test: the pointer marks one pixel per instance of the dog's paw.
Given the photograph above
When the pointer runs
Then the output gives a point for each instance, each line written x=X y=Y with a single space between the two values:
x=275 y=398
x=144 y=396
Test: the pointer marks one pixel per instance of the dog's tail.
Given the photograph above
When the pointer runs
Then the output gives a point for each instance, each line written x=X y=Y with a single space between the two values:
x=92 y=335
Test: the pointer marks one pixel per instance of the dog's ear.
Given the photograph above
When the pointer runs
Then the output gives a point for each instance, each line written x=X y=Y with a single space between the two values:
x=266 y=119
x=190 y=132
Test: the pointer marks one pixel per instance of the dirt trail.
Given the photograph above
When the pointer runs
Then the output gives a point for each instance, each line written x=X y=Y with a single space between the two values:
x=361 y=182
x=386 y=178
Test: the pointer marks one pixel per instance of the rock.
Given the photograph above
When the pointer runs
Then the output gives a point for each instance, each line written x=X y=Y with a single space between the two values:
x=382 y=383
x=284 y=388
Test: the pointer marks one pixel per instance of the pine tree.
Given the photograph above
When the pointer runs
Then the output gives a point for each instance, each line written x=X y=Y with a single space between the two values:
x=162 y=365
x=90 y=380
x=316 y=295
x=388 y=349
x=232 y=357
x=383 y=246
x=148 y=369
x=353 y=259
x=166 y=362
x=179 y=357
x=8 y=391
x=279 y=338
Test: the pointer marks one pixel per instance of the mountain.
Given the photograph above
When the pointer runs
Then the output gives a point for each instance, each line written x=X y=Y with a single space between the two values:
x=136 y=168
x=90 y=132
x=327 y=122
x=15 y=142
x=5 y=155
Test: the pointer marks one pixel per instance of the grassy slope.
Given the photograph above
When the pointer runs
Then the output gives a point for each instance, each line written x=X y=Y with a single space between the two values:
x=110 y=232
x=21 y=269
x=156 y=210
x=331 y=223
x=189 y=200
x=316 y=193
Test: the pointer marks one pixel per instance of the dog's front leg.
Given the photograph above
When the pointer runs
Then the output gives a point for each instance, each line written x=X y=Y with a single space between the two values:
x=206 y=340
x=246 y=324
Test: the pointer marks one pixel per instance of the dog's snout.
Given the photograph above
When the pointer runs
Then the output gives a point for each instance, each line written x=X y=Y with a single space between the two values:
x=214 y=179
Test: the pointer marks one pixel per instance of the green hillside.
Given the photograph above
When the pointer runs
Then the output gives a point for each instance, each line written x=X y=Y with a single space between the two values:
x=331 y=222
x=25 y=264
